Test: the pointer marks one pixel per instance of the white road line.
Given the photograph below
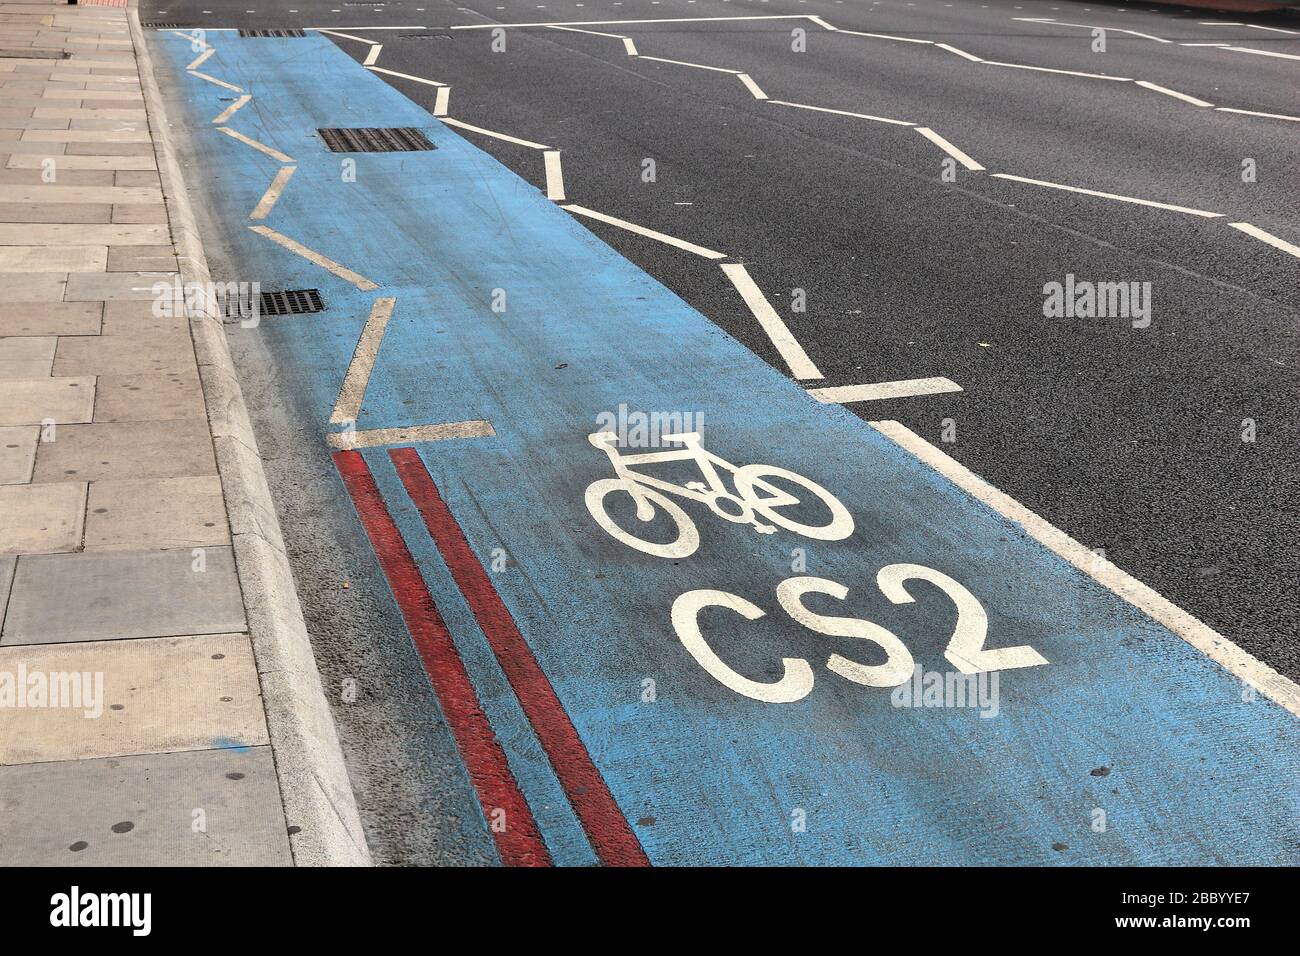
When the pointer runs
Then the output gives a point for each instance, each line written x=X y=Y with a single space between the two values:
x=232 y=109
x=629 y=46
x=1268 y=237
x=962 y=53
x=372 y=57
x=823 y=24
x=751 y=86
x=1256 y=26
x=272 y=194
x=554 y=175
x=886 y=36
x=1174 y=93
x=358 y=280
x=1210 y=643
x=1093 y=192
x=600 y=23
x=192 y=37
x=405 y=76
x=395 y=436
x=949 y=148
x=594 y=33
x=1248 y=49
x=1048 y=69
x=698 y=66
x=840 y=394
x=800 y=365
x=443 y=100
x=353 y=390
x=199 y=60
x=1048 y=21
x=213 y=79
x=346 y=36
x=1229 y=109
x=826 y=109
x=643 y=231
x=487 y=132
x=1203 y=44
x=260 y=147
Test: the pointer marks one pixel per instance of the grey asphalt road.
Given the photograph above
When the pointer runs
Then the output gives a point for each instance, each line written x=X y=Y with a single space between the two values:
x=1128 y=438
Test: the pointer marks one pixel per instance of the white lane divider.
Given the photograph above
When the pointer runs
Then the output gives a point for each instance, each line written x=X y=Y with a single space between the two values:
x=495 y=135
x=346 y=36
x=1046 y=21
x=800 y=365
x=405 y=76
x=213 y=79
x=643 y=231
x=442 y=101
x=372 y=55
x=347 y=407
x=272 y=194
x=886 y=36
x=1174 y=93
x=698 y=66
x=628 y=45
x=909 y=388
x=602 y=23
x=1209 y=642
x=949 y=148
x=1256 y=26
x=554 y=175
x=961 y=53
x=199 y=60
x=1049 y=69
x=826 y=109
x=1277 y=116
x=1117 y=198
x=260 y=147
x=232 y=109
x=751 y=86
x=1273 y=53
x=358 y=280
x=347 y=440
x=1268 y=237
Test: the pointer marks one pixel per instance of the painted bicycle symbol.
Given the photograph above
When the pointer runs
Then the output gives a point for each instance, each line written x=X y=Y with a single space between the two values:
x=756 y=500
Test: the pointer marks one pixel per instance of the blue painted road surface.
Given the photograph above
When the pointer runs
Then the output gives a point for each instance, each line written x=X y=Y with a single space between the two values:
x=751 y=672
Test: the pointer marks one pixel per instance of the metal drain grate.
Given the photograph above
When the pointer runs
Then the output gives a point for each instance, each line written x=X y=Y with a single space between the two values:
x=397 y=139
x=288 y=302
x=36 y=54
x=272 y=33
x=168 y=25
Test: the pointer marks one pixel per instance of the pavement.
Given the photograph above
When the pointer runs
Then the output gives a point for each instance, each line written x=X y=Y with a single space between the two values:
x=142 y=712
x=944 y=578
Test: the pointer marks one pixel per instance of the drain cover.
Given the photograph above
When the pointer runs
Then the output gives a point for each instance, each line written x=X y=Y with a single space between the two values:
x=36 y=54
x=272 y=33
x=288 y=302
x=395 y=139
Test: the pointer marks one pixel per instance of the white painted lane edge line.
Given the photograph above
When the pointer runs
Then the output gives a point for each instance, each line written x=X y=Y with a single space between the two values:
x=477 y=428
x=260 y=147
x=346 y=36
x=487 y=132
x=1209 y=642
x=554 y=175
x=1229 y=109
x=698 y=66
x=827 y=109
x=962 y=53
x=823 y=24
x=796 y=359
x=272 y=194
x=232 y=109
x=1248 y=49
x=1145 y=84
x=353 y=390
x=201 y=58
x=887 y=36
x=643 y=231
x=751 y=86
x=358 y=280
x=949 y=148
x=908 y=388
x=213 y=79
x=1256 y=26
x=442 y=101
x=1268 y=237
x=629 y=46
x=599 y=23
x=372 y=56
x=1049 y=69
x=405 y=76
x=1093 y=192
x=1045 y=21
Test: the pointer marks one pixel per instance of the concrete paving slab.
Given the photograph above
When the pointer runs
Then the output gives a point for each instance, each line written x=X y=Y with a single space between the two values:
x=92 y=259
x=145 y=696
x=153 y=397
x=62 y=177
x=50 y=318
x=195 y=808
x=32 y=401
x=160 y=258
x=60 y=234
x=109 y=595
x=124 y=354
x=42 y=519
x=84 y=136
x=79 y=194
x=55 y=212
x=156 y=513
x=139 y=212
x=127 y=450
x=32 y=161
x=30 y=356
x=32 y=286
x=17 y=453
x=137 y=177
x=147 y=319
x=94 y=149
x=89 y=286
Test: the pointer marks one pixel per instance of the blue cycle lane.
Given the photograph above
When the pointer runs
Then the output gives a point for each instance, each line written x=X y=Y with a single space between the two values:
x=737 y=711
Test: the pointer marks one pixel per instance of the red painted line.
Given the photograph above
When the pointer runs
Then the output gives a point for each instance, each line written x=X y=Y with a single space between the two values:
x=611 y=837
x=519 y=842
